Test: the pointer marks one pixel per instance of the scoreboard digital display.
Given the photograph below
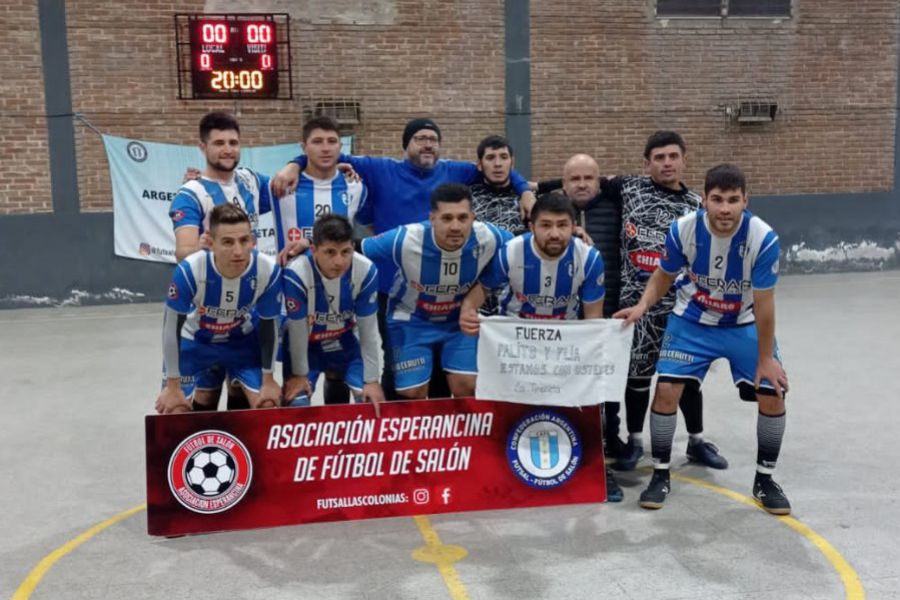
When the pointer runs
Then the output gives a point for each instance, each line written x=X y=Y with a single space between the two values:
x=233 y=56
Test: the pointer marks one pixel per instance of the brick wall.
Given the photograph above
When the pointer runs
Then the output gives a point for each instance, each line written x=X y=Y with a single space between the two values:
x=24 y=186
x=124 y=81
x=604 y=75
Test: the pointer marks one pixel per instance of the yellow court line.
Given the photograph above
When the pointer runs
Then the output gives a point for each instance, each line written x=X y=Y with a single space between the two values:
x=34 y=577
x=853 y=588
x=443 y=556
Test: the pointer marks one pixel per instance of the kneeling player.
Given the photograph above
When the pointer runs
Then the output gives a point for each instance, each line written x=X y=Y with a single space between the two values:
x=725 y=309
x=221 y=312
x=328 y=291
x=546 y=274
x=436 y=263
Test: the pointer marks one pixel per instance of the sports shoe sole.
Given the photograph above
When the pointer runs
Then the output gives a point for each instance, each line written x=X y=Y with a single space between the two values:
x=772 y=511
x=651 y=505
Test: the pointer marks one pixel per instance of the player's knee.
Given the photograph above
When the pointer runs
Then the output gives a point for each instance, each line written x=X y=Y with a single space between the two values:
x=461 y=385
x=667 y=396
x=770 y=404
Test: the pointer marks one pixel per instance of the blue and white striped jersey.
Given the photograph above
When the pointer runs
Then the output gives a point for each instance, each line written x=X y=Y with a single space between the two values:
x=430 y=283
x=545 y=289
x=296 y=213
x=218 y=308
x=720 y=274
x=196 y=198
x=330 y=305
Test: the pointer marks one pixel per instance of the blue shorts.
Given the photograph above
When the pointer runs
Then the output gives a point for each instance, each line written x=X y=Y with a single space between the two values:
x=342 y=355
x=688 y=349
x=413 y=344
x=206 y=366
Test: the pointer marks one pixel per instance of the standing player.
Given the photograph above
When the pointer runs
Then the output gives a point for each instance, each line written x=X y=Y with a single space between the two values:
x=649 y=206
x=494 y=199
x=725 y=309
x=321 y=189
x=547 y=274
x=329 y=291
x=220 y=320
x=436 y=263
x=221 y=181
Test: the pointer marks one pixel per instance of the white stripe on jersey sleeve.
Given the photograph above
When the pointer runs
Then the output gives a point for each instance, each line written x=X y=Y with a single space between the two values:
x=264 y=271
x=360 y=269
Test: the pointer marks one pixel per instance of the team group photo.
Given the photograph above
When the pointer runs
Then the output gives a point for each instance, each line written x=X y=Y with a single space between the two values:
x=452 y=300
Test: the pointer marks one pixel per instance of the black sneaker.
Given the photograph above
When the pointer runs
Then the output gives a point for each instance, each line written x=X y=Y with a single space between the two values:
x=706 y=453
x=655 y=494
x=770 y=496
x=613 y=491
x=613 y=448
x=630 y=455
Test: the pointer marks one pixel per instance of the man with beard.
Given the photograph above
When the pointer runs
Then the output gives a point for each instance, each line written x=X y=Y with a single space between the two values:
x=221 y=181
x=549 y=274
x=436 y=263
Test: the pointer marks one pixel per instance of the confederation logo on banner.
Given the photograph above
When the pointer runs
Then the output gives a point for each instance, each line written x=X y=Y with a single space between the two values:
x=210 y=472
x=544 y=449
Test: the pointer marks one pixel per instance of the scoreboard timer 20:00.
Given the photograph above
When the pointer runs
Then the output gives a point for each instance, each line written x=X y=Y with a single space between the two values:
x=234 y=56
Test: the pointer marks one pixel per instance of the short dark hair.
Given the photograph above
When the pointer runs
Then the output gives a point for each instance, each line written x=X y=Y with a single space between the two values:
x=217 y=120
x=494 y=142
x=725 y=177
x=553 y=202
x=450 y=192
x=661 y=138
x=321 y=122
x=332 y=228
x=227 y=214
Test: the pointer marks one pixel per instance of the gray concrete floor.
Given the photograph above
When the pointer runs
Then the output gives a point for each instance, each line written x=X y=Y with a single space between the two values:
x=78 y=381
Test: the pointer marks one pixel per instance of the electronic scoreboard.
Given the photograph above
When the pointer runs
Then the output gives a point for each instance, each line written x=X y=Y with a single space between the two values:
x=226 y=56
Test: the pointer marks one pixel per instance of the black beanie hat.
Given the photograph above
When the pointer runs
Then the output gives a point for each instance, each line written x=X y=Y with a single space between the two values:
x=417 y=125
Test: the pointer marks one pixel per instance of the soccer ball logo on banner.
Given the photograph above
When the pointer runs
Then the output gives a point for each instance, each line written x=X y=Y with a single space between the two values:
x=210 y=472
x=544 y=449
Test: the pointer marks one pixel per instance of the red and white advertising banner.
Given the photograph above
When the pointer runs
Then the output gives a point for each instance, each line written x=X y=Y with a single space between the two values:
x=216 y=471
x=553 y=363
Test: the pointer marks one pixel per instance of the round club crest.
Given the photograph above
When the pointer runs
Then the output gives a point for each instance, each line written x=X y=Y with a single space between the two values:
x=210 y=472
x=544 y=449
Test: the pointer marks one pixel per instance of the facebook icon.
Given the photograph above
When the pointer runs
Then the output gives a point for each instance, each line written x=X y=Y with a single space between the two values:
x=445 y=495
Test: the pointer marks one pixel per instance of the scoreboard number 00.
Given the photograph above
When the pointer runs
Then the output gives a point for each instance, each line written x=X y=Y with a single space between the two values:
x=234 y=56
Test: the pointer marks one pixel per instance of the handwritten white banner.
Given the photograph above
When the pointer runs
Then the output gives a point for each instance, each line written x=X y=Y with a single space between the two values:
x=556 y=363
